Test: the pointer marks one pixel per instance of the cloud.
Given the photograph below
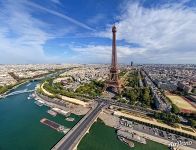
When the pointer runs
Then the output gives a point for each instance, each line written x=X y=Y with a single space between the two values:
x=102 y=53
x=56 y=2
x=22 y=36
x=166 y=30
x=96 y=19
x=61 y=16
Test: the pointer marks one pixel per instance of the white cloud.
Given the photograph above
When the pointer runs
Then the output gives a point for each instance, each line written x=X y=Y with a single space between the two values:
x=21 y=36
x=61 y=16
x=101 y=53
x=165 y=30
x=56 y=1
x=96 y=19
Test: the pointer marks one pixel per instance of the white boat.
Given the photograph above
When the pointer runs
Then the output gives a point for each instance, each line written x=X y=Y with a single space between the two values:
x=53 y=113
x=131 y=136
x=38 y=103
x=66 y=130
x=70 y=119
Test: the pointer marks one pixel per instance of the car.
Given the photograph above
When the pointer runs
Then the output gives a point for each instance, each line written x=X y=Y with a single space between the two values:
x=186 y=140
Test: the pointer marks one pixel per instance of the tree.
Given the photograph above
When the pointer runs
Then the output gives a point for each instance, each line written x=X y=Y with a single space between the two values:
x=193 y=123
x=175 y=109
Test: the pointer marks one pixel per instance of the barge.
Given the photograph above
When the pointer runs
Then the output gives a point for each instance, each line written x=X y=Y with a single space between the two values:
x=131 y=136
x=126 y=141
x=54 y=125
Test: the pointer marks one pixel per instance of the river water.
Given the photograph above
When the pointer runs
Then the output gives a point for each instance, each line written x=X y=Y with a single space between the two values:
x=20 y=127
x=102 y=137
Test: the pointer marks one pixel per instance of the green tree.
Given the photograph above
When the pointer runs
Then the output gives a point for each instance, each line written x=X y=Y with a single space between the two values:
x=175 y=109
x=193 y=123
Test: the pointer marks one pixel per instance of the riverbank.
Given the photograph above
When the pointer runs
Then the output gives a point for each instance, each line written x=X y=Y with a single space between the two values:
x=103 y=137
x=23 y=81
x=113 y=121
x=20 y=123
x=72 y=108
x=65 y=98
x=14 y=87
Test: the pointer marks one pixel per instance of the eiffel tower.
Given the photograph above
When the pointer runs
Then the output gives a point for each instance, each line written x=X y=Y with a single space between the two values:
x=113 y=81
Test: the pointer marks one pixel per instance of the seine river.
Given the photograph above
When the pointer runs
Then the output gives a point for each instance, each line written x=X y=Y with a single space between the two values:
x=20 y=128
x=102 y=137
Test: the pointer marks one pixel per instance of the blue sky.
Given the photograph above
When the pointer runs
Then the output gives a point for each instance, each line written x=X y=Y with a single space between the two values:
x=79 y=31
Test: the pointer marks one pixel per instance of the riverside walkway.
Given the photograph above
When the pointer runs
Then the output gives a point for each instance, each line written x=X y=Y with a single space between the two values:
x=72 y=138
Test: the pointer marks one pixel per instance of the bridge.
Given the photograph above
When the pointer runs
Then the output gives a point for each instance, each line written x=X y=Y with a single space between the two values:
x=72 y=138
x=18 y=92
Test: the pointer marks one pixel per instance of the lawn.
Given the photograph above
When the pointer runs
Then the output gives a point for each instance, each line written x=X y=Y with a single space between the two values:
x=181 y=103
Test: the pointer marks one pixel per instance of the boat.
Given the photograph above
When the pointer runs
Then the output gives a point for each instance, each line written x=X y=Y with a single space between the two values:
x=126 y=141
x=60 y=111
x=53 y=113
x=33 y=95
x=131 y=136
x=53 y=125
x=70 y=119
x=66 y=130
x=39 y=103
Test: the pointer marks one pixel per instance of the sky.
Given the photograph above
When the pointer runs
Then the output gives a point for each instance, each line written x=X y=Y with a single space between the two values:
x=79 y=31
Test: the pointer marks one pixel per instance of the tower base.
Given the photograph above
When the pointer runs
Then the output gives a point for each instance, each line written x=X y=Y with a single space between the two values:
x=113 y=87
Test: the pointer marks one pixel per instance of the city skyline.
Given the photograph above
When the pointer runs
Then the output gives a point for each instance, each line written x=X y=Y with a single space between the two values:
x=56 y=31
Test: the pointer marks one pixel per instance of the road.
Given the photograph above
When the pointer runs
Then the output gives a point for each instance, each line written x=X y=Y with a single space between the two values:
x=162 y=134
x=68 y=143
x=126 y=106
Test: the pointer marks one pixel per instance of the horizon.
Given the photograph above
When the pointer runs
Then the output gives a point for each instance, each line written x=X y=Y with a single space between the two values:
x=73 y=32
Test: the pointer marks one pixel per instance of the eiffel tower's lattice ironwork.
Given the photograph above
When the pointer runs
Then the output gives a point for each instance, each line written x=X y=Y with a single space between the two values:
x=113 y=81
